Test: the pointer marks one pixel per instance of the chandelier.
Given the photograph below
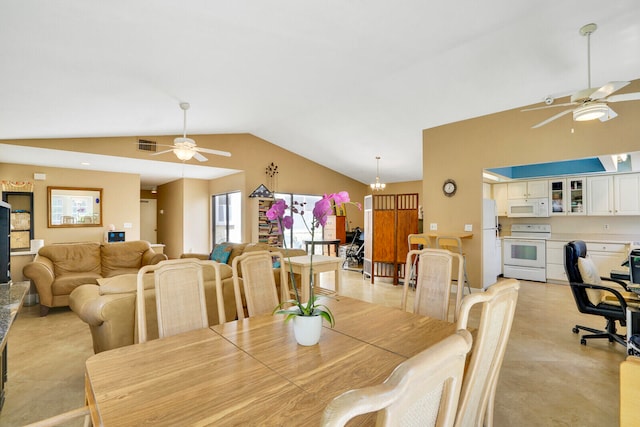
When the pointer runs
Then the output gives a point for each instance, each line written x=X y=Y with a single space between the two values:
x=377 y=186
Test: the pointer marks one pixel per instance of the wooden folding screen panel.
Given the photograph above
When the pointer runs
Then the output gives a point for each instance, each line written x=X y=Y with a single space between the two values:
x=389 y=219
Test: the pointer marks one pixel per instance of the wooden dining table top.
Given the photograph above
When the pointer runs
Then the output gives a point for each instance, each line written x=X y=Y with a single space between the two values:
x=252 y=371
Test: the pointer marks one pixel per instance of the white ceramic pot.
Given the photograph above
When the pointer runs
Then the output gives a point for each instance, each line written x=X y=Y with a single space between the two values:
x=307 y=329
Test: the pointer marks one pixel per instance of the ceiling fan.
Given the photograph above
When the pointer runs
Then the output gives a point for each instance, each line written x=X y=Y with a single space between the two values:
x=590 y=103
x=185 y=148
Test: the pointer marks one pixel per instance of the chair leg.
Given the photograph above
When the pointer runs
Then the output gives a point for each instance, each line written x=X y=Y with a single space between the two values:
x=466 y=278
x=610 y=333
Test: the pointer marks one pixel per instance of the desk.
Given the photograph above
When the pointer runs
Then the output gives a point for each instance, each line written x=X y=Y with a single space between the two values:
x=322 y=244
x=252 y=372
x=321 y=264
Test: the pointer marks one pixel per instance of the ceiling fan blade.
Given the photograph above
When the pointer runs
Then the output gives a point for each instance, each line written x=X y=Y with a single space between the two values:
x=199 y=157
x=634 y=96
x=163 y=152
x=610 y=115
x=216 y=152
x=552 y=118
x=544 y=107
x=608 y=89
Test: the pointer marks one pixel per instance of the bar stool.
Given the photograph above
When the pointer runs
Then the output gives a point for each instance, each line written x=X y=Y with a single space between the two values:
x=454 y=244
x=422 y=241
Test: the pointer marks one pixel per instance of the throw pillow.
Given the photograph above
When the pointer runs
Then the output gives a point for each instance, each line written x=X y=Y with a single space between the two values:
x=590 y=276
x=221 y=253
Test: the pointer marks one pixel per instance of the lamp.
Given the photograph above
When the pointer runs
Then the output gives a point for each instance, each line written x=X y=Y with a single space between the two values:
x=590 y=112
x=377 y=186
x=184 y=153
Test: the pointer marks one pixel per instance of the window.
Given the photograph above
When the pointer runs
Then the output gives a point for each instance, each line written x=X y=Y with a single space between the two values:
x=227 y=218
x=298 y=234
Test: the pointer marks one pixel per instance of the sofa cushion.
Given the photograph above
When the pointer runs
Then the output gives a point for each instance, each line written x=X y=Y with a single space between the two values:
x=221 y=253
x=64 y=284
x=122 y=257
x=124 y=283
x=73 y=258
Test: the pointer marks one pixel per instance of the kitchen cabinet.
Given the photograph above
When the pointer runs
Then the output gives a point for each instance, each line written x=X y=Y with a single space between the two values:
x=501 y=198
x=528 y=189
x=600 y=195
x=626 y=195
x=607 y=256
x=614 y=194
x=555 y=261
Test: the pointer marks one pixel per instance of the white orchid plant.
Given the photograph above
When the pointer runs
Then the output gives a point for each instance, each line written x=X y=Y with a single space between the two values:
x=321 y=210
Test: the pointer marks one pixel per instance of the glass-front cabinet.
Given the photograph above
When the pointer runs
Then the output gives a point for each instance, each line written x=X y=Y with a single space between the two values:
x=577 y=192
x=567 y=196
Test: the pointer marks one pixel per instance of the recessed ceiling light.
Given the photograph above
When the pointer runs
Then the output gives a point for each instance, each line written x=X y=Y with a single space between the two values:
x=85 y=164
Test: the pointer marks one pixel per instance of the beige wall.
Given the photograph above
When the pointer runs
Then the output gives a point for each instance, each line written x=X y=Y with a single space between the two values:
x=120 y=200
x=184 y=224
x=461 y=150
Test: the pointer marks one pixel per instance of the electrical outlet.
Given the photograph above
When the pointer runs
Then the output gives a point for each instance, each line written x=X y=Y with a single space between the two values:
x=606 y=226
x=468 y=227
x=433 y=226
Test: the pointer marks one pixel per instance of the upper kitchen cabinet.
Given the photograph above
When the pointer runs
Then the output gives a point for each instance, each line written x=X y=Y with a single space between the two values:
x=567 y=196
x=528 y=189
x=626 y=194
x=600 y=195
x=614 y=194
x=500 y=196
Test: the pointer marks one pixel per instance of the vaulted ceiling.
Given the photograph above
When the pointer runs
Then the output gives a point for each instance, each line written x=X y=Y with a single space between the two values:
x=339 y=82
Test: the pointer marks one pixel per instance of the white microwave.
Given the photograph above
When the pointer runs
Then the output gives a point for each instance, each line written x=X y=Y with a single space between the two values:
x=528 y=208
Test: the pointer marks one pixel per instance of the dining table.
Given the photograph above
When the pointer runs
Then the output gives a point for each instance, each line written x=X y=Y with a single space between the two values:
x=252 y=372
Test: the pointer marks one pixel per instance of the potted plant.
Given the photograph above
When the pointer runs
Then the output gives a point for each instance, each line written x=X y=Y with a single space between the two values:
x=306 y=315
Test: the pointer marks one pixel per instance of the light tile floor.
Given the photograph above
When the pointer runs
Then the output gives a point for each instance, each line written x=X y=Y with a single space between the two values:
x=547 y=378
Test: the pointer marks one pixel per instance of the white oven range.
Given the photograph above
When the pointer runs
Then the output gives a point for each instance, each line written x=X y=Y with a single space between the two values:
x=524 y=252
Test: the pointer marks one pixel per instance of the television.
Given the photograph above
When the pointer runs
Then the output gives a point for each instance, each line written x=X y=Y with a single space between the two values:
x=5 y=242
x=115 y=236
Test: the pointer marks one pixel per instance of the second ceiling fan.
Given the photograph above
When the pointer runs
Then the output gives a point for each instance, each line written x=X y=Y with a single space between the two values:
x=185 y=148
x=590 y=103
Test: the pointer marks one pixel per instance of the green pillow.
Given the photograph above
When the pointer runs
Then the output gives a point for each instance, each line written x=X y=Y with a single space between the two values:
x=221 y=253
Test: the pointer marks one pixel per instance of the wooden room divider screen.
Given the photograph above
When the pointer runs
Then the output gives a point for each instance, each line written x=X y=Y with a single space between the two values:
x=388 y=221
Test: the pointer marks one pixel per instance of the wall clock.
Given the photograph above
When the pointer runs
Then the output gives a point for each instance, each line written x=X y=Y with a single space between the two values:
x=449 y=188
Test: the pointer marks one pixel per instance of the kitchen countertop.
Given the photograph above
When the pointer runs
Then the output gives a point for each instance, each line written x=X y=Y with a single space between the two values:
x=596 y=237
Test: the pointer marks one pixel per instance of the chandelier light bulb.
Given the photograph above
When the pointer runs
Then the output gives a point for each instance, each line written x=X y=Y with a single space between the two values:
x=377 y=186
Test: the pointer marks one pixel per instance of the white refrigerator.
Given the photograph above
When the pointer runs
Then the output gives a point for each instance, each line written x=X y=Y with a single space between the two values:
x=491 y=244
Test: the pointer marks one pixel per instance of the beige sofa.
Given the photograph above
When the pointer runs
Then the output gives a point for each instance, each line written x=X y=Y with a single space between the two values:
x=58 y=269
x=109 y=306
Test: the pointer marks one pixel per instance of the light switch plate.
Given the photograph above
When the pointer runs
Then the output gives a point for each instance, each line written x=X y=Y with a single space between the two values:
x=468 y=227
x=433 y=226
x=128 y=225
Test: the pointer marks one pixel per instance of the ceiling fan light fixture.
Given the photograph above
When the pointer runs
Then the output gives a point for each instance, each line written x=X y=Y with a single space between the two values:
x=184 y=153
x=590 y=112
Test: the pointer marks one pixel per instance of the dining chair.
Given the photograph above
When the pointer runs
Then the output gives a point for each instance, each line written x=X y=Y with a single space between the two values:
x=432 y=282
x=421 y=391
x=256 y=272
x=64 y=418
x=481 y=377
x=179 y=295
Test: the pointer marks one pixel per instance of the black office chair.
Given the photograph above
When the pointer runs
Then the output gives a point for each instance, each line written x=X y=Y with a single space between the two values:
x=611 y=312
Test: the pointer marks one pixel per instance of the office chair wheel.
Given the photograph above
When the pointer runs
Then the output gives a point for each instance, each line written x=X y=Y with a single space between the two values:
x=583 y=341
x=575 y=330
